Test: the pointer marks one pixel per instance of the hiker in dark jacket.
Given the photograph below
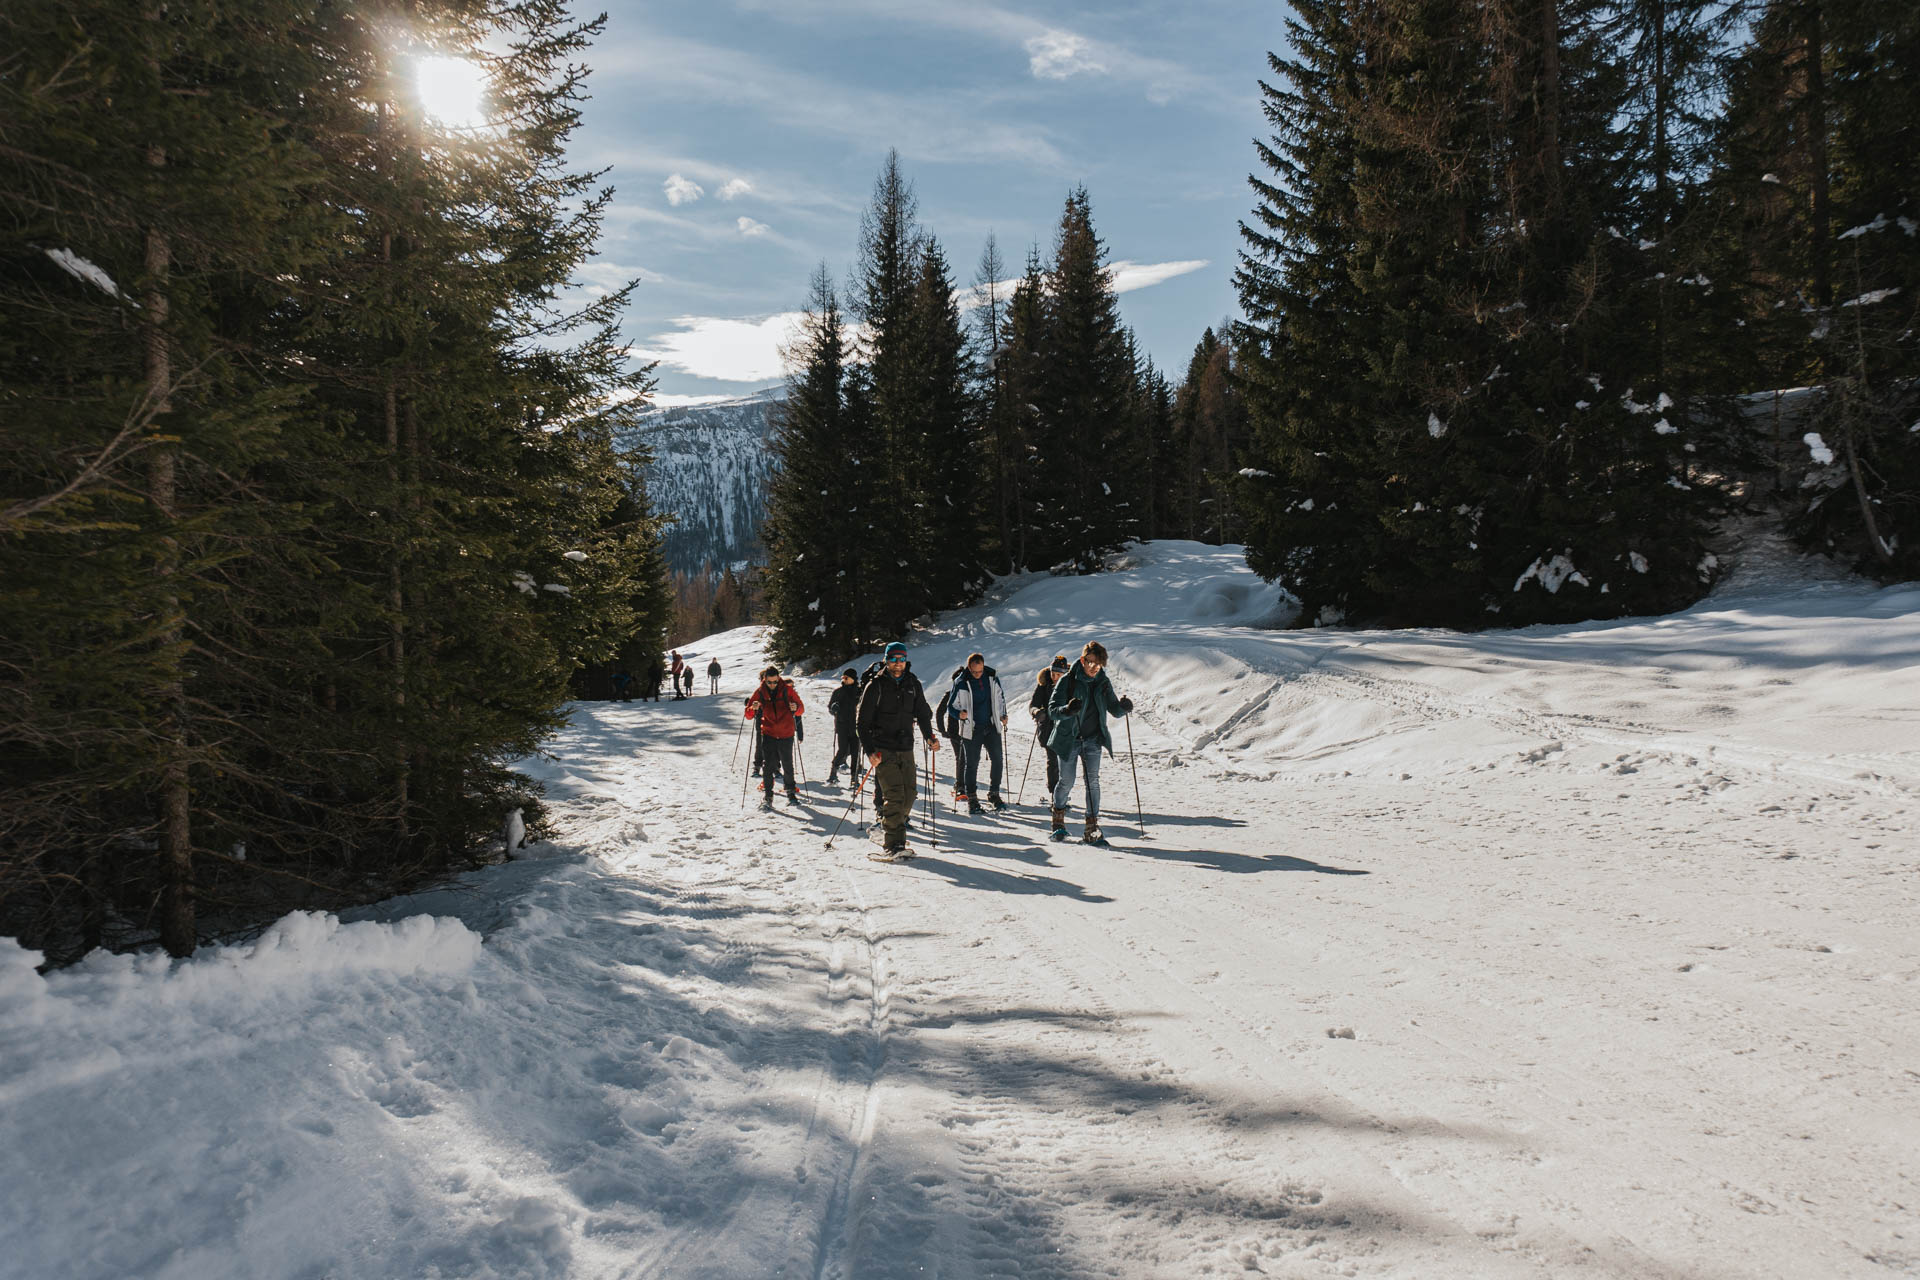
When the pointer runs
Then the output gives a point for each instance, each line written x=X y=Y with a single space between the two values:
x=1080 y=703
x=1042 y=722
x=776 y=705
x=844 y=707
x=890 y=706
x=713 y=676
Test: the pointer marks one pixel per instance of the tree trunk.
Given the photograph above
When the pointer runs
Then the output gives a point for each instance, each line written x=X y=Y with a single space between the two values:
x=1816 y=124
x=177 y=924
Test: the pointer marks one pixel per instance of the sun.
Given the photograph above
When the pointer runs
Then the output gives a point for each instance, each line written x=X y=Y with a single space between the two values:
x=453 y=91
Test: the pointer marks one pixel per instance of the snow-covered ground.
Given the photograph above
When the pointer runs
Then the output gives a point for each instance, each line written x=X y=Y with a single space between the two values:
x=1584 y=950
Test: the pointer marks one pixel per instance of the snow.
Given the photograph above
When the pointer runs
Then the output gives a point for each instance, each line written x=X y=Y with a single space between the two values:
x=1567 y=950
x=1822 y=454
x=80 y=269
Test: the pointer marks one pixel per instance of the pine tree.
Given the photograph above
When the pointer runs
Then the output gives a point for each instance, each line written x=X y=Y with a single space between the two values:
x=1302 y=348
x=1082 y=411
x=886 y=279
x=818 y=552
x=1436 y=299
x=310 y=530
x=1817 y=170
x=999 y=424
x=1022 y=374
x=952 y=461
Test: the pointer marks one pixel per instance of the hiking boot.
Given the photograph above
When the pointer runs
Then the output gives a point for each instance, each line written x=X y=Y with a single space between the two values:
x=975 y=807
x=996 y=802
x=766 y=800
x=793 y=797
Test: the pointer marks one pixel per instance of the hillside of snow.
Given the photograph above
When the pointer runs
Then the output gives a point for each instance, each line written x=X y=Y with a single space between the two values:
x=1565 y=951
x=710 y=470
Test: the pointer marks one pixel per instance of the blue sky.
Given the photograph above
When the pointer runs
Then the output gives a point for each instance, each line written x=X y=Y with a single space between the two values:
x=744 y=137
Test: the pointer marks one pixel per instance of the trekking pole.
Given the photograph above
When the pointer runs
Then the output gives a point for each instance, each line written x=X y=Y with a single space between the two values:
x=1138 y=811
x=800 y=758
x=849 y=809
x=933 y=802
x=737 y=735
x=744 y=779
x=1026 y=772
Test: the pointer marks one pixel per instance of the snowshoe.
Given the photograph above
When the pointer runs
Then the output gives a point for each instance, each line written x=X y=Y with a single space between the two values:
x=1094 y=837
x=1059 y=834
x=997 y=803
x=975 y=808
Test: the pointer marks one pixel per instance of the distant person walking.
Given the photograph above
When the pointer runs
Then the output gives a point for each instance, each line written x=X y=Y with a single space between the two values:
x=656 y=676
x=686 y=682
x=1042 y=722
x=679 y=665
x=775 y=704
x=978 y=707
x=713 y=676
x=1081 y=701
x=844 y=707
x=890 y=706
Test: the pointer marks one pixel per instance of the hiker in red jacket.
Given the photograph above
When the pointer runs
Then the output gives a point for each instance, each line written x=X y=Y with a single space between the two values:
x=775 y=704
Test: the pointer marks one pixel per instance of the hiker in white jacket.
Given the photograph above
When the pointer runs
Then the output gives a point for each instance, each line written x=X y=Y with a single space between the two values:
x=977 y=715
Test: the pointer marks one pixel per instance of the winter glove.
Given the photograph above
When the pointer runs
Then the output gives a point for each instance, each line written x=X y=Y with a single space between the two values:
x=800 y=728
x=1035 y=713
x=1126 y=706
x=1073 y=705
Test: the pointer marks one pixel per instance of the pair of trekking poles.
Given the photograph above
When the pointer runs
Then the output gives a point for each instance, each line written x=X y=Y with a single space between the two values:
x=799 y=758
x=933 y=812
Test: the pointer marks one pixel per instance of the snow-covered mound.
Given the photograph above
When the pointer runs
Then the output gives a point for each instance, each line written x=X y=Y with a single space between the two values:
x=1818 y=676
x=1582 y=950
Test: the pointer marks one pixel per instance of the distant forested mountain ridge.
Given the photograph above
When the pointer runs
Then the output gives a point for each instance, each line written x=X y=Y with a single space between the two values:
x=710 y=468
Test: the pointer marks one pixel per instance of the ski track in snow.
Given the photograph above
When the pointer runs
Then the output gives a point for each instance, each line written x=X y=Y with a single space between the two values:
x=1441 y=956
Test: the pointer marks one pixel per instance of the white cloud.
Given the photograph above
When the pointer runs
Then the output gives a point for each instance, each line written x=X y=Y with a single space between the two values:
x=1128 y=276
x=949 y=128
x=682 y=190
x=1055 y=55
x=748 y=227
x=735 y=188
x=726 y=350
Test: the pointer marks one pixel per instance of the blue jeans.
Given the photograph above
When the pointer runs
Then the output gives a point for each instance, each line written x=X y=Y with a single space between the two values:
x=987 y=737
x=1087 y=750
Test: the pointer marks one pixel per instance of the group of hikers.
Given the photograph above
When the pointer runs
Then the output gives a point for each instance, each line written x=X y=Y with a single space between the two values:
x=677 y=678
x=875 y=715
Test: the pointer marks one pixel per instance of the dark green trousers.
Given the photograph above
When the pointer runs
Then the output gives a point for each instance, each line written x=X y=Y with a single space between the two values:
x=896 y=776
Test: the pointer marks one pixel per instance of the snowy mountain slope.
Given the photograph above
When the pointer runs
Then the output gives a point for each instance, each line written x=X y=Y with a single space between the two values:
x=1439 y=958
x=710 y=470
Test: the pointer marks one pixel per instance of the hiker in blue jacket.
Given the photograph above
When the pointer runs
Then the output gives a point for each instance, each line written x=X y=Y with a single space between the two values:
x=1082 y=700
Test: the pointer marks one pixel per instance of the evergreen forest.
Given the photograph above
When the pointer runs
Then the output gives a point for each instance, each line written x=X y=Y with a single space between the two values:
x=310 y=512
x=1520 y=285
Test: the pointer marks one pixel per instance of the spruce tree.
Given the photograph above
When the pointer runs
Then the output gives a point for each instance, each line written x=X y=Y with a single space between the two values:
x=886 y=279
x=1301 y=340
x=1082 y=415
x=815 y=528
